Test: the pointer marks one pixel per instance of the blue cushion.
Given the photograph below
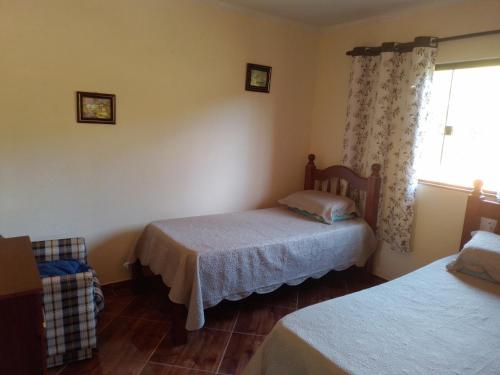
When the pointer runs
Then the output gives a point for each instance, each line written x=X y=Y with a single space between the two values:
x=61 y=268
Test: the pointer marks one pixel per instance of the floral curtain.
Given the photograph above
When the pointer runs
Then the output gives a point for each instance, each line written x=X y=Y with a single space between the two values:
x=387 y=109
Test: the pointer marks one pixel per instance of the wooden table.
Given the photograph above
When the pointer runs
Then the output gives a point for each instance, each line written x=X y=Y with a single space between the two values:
x=22 y=334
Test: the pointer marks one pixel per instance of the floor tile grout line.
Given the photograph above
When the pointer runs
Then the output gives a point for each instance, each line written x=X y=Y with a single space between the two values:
x=228 y=341
x=178 y=366
x=216 y=329
x=163 y=321
x=107 y=325
x=235 y=321
x=154 y=350
x=189 y=368
x=224 y=353
x=350 y=285
x=166 y=320
x=61 y=369
x=250 y=334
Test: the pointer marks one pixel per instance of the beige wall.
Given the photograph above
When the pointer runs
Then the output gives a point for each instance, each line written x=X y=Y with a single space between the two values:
x=439 y=213
x=189 y=140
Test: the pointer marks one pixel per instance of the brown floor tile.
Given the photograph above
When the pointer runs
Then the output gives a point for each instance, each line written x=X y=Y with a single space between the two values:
x=259 y=319
x=315 y=291
x=116 y=304
x=107 y=290
x=285 y=296
x=239 y=351
x=103 y=321
x=222 y=316
x=203 y=350
x=133 y=339
x=157 y=369
x=360 y=279
x=151 y=306
x=125 y=289
x=55 y=370
x=133 y=326
x=107 y=365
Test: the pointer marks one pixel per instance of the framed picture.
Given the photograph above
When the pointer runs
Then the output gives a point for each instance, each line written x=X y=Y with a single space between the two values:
x=258 y=78
x=92 y=107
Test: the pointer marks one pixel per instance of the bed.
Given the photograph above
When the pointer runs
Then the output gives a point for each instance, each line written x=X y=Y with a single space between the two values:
x=206 y=259
x=430 y=321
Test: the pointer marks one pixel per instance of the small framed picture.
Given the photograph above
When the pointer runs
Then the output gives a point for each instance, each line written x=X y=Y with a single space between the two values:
x=258 y=78
x=96 y=108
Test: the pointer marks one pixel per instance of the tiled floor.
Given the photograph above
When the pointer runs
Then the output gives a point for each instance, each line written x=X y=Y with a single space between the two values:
x=134 y=329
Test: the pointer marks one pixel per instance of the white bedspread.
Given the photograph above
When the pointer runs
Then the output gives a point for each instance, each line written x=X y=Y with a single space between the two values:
x=427 y=322
x=206 y=259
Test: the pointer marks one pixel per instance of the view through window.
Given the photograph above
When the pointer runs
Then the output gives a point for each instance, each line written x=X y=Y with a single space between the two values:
x=463 y=139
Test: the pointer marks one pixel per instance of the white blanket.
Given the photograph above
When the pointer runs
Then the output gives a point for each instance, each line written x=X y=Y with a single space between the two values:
x=427 y=322
x=206 y=259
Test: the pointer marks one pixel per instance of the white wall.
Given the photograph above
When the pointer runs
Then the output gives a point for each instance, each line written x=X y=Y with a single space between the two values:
x=189 y=139
x=439 y=213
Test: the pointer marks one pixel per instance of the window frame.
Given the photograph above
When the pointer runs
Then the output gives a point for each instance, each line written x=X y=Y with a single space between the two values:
x=465 y=189
x=453 y=66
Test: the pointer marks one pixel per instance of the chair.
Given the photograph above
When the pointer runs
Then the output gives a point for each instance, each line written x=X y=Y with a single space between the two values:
x=70 y=302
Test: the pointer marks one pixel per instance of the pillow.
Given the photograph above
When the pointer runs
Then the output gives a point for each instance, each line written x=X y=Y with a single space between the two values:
x=480 y=257
x=319 y=218
x=321 y=206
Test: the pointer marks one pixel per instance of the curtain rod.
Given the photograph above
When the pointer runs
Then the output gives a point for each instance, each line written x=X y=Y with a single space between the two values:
x=419 y=41
x=467 y=36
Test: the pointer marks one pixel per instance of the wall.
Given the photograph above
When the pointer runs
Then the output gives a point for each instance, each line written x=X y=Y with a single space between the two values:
x=439 y=213
x=189 y=140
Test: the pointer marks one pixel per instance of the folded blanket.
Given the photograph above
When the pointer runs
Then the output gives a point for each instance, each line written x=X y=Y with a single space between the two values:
x=61 y=268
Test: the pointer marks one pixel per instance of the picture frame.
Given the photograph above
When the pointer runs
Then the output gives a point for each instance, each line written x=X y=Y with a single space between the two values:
x=95 y=108
x=258 y=78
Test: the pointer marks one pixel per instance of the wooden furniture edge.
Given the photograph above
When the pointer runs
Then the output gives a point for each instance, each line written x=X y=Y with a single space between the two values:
x=476 y=208
x=369 y=184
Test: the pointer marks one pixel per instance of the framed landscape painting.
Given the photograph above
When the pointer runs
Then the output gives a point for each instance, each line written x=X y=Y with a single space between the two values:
x=93 y=107
x=258 y=78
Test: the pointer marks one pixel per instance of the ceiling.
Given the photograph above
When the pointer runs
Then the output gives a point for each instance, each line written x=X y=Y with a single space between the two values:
x=328 y=12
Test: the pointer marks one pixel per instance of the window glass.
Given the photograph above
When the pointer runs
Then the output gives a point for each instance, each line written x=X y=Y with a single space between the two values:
x=463 y=139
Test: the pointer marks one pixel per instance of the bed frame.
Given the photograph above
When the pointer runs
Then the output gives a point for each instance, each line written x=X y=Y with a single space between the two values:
x=314 y=179
x=477 y=208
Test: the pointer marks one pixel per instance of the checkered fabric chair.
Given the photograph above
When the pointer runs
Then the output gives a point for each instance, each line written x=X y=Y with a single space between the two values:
x=71 y=303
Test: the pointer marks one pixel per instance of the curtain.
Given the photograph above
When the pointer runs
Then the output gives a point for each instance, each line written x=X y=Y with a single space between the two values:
x=387 y=109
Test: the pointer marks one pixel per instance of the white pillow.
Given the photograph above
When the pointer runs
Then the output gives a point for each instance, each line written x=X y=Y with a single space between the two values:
x=327 y=206
x=480 y=257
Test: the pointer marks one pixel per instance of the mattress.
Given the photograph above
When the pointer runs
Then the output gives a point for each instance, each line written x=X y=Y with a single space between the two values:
x=206 y=259
x=427 y=322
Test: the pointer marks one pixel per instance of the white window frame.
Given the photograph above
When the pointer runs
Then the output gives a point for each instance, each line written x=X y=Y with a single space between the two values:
x=461 y=65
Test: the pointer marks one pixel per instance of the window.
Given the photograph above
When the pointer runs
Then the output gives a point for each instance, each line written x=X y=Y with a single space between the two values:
x=463 y=139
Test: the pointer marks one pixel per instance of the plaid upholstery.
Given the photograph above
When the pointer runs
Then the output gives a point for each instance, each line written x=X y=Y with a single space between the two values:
x=71 y=303
x=66 y=248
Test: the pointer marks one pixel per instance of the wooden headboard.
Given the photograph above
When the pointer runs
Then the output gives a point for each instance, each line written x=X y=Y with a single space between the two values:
x=337 y=173
x=478 y=207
